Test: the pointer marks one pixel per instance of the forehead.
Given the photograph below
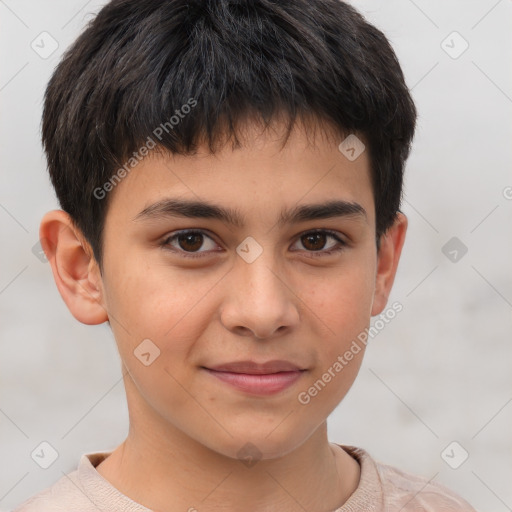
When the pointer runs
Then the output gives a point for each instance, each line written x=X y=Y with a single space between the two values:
x=260 y=177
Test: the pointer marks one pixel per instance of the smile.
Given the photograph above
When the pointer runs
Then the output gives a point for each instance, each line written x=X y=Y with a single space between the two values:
x=258 y=383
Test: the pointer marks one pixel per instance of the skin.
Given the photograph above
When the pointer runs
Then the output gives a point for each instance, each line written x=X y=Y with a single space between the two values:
x=186 y=427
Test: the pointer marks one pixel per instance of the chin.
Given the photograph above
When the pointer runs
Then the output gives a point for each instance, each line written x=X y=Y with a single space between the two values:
x=260 y=444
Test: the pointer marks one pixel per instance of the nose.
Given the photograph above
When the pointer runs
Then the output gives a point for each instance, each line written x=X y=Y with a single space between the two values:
x=261 y=302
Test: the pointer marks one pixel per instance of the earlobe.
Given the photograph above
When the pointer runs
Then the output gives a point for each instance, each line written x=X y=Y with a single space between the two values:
x=74 y=268
x=391 y=244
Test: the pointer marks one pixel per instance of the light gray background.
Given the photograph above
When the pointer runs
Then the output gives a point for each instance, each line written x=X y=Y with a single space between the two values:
x=439 y=372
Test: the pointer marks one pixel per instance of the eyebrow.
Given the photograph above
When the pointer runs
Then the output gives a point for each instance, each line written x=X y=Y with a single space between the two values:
x=173 y=207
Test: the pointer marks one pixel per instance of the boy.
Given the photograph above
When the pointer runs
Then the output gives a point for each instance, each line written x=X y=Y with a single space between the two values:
x=230 y=175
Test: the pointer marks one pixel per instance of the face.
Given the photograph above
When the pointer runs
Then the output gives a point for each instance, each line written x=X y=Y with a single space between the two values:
x=188 y=294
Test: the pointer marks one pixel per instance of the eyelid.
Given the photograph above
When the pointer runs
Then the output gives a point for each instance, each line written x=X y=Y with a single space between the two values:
x=167 y=239
x=341 y=243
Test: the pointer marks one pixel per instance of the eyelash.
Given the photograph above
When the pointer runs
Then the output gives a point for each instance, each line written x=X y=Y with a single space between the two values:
x=320 y=253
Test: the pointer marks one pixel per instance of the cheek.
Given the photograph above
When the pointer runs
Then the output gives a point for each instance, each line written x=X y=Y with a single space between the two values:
x=157 y=300
x=343 y=300
x=156 y=318
x=341 y=305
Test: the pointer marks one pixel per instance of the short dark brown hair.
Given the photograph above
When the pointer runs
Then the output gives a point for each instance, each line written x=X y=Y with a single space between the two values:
x=140 y=61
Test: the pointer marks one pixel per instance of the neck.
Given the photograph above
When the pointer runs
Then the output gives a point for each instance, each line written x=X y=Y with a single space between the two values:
x=163 y=469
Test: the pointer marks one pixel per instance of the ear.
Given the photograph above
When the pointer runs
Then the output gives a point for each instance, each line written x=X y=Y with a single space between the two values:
x=74 y=267
x=391 y=243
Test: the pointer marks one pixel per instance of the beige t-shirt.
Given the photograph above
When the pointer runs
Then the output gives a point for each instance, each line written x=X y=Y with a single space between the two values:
x=381 y=488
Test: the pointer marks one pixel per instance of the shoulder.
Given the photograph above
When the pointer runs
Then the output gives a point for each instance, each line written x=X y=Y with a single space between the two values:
x=63 y=496
x=77 y=490
x=394 y=489
x=411 y=492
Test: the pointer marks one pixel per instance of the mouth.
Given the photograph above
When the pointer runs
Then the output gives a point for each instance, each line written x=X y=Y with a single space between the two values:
x=257 y=378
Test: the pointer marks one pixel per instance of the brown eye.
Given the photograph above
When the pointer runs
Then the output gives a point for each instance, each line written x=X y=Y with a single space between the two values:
x=190 y=241
x=317 y=242
x=314 y=241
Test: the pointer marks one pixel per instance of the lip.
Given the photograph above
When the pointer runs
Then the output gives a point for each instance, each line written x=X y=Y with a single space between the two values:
x=258 y=378
x=253 y=368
